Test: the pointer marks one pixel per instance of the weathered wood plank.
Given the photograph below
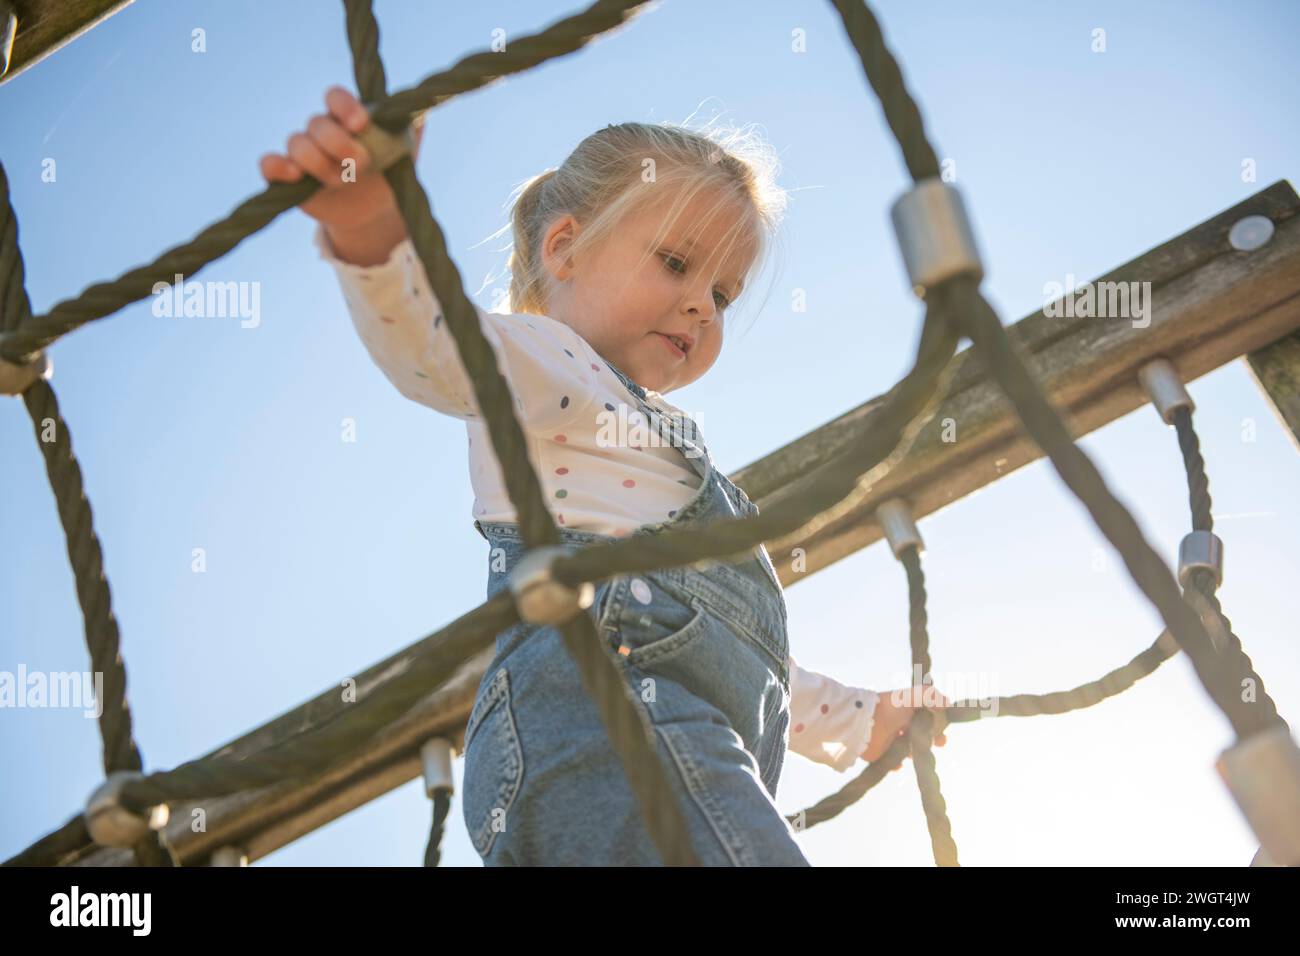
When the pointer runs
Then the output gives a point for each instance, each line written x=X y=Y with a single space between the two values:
x=261 y=821
x=46 y=25
x=1276 y=369
x=1212 y=304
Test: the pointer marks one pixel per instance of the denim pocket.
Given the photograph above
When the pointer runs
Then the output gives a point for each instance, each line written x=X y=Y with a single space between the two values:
x=646 y=622
x=641 y=652
x=494 y=764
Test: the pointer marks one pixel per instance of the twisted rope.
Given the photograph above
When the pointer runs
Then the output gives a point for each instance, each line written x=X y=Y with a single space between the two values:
x=258 y=211
x=1234 y=657
x=1145 y=566
x=441 y=808
x=886 y=79
x=955 y=308
x=1198 y=485
x=103 y=640
x=627 y=725
x=919 y=728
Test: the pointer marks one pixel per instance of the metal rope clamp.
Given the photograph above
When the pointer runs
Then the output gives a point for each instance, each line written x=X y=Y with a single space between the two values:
x=1200 y=551
x=935 y=236
x=386 y=148
x=1263 y=774
x=16 y=379
x=435 y=758
x=895 y=519
x=1160 y=378
x=1203 y=551
x=539 y=597
x=111 y=824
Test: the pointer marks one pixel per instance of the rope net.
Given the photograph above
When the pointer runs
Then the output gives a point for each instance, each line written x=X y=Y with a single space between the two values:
x=955 y=309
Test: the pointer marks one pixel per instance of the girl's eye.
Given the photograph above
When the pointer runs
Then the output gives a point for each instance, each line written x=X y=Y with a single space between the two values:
x=717 y=295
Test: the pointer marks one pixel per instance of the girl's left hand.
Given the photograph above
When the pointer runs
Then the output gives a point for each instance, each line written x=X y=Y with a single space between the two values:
x=894 y=712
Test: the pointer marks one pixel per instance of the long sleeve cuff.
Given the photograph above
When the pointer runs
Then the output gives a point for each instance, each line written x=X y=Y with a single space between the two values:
x=830 y=722
x=398 y=257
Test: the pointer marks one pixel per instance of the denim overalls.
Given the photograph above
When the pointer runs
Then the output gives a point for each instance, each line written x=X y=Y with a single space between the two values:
x=705 y=652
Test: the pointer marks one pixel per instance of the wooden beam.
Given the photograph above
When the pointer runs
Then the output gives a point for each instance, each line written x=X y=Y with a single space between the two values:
x=261 y=821
x=46 y=25
x=1276 y=369
x=1212 y=304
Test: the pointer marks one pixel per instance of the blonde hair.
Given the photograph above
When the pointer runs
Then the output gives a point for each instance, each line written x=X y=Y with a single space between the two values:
x=621 y=169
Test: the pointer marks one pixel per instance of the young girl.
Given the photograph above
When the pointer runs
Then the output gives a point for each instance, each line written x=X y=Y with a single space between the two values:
x=626 y=260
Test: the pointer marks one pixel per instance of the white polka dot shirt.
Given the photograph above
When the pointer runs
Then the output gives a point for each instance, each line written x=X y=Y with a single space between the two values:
x=601 y=464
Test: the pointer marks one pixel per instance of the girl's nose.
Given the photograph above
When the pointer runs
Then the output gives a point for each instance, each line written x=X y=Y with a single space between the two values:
x=701 y=304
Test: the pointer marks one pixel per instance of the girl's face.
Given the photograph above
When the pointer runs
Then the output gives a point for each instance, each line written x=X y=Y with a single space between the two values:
x=627 y=297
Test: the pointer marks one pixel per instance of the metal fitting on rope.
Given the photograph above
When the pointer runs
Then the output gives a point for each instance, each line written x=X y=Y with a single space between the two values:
x=16 y=379
x=895 y=519
x=934 y=235
x=1163 y=385
x=1263 y=774
x=228 y=856
x=386 y=148
x=111 y=824
x=1200 y=550
x=540 y=598
x=435 y=756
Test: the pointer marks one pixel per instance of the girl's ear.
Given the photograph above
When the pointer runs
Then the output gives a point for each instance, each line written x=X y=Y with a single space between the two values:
x=556 y=244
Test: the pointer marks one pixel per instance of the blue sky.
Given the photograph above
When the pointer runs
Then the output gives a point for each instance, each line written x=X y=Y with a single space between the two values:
x=324 y=556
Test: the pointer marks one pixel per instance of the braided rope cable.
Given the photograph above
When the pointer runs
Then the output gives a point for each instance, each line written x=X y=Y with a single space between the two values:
x=886 y=79
x=1111 y=684
x=628 y=727
x=441 y=808
x=309 y=752
x=258 y=211
x=1076 y=469
x=942 y=844
x=1201 y=581
x=103 y=640
x=316 y=749
x=103 y=637
x=15 y=306
x=978 y=321
x=482 y=69
x=85 y=553
x=372 y=84
x=972 y=317
x=1198 y=484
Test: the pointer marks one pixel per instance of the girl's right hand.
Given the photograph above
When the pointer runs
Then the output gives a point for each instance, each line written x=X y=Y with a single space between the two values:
x=320 y=149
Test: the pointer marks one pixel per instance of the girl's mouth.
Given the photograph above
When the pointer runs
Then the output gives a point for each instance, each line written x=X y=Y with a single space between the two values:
x=669 y=342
